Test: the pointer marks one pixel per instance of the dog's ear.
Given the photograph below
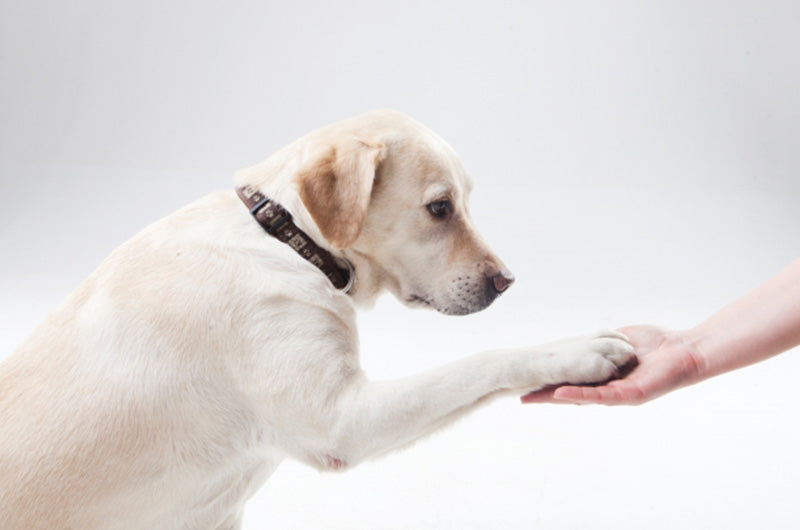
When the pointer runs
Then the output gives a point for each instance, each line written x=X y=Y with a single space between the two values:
x=336 y=188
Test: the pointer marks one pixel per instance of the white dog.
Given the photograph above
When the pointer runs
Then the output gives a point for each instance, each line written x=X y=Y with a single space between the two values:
x=216 y=343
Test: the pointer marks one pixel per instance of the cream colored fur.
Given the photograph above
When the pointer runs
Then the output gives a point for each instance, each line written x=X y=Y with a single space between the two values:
x=169 y=386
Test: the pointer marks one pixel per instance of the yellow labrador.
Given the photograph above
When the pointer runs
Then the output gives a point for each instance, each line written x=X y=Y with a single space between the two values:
x=222 y=339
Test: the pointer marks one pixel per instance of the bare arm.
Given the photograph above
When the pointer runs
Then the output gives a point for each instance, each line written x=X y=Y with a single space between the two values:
x=758 y=325
x=761 y=324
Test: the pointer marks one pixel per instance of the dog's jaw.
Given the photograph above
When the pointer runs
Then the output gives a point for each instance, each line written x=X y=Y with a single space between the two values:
x=369 y=279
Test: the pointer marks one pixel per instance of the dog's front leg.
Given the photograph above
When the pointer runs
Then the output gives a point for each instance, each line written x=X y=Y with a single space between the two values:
x=376 y=417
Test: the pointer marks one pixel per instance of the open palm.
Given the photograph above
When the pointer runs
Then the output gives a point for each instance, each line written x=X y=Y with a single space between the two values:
x=666 y=361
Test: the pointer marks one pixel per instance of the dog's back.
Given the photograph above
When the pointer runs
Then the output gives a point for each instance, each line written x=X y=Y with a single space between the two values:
x=120 y=406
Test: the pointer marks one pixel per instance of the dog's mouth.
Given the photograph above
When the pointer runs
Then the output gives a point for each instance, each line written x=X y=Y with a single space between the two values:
x=455 y=308
x=416 y=299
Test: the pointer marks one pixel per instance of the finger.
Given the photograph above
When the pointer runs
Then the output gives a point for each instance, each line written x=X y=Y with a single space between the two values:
x=617 y=392
x=573 y=395
x=539 y=396
x=628 y=330
x=614 y=393
x=563 y=395
x=578 y=394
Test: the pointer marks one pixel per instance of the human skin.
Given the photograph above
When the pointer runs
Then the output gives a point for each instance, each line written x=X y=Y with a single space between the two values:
x=759 y=325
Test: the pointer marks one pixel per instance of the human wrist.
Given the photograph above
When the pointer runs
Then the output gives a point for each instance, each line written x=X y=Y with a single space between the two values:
x=698 y=347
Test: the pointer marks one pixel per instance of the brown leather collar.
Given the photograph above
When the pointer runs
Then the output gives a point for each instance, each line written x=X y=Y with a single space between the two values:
x=277 y=222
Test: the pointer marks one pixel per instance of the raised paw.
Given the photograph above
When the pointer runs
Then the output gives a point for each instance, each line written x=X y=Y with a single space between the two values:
x=594 y=358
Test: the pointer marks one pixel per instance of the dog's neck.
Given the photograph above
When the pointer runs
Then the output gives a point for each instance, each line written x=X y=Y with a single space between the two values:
x=278 y=223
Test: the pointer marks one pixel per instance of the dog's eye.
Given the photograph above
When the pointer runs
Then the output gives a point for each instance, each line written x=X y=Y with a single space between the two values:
x=440 y=208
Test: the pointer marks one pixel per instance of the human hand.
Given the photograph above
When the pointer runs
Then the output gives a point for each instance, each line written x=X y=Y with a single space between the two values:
x=667 y=360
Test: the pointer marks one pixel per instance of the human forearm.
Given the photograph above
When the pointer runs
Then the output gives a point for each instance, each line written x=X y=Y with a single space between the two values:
x=762 y=323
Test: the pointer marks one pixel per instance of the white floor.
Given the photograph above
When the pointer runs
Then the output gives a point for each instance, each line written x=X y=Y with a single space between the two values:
x=718 y=455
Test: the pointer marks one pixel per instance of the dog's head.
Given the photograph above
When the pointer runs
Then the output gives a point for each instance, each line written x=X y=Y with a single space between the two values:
x=392 y=197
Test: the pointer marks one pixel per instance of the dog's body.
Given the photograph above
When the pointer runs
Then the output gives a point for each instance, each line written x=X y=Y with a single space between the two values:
x=202 y=352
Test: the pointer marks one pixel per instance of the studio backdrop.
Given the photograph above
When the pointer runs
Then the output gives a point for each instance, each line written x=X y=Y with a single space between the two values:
x=635 y=162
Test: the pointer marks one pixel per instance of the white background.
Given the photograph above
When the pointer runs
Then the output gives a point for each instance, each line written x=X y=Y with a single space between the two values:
x=635 y=162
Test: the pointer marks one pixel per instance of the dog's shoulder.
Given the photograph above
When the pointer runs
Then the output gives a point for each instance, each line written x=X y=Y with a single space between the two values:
x=211 y=262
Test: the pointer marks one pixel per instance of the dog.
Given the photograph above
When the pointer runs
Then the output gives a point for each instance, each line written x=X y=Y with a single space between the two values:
x=222 y=339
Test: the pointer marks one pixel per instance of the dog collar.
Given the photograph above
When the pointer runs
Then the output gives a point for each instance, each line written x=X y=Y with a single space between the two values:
x=277 y=222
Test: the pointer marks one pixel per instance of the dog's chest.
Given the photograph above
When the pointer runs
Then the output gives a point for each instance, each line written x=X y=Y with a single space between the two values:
x=218 y=502
x=212 y=499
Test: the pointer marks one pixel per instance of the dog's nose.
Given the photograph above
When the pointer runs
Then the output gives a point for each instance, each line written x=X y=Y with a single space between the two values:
x=502 y=280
